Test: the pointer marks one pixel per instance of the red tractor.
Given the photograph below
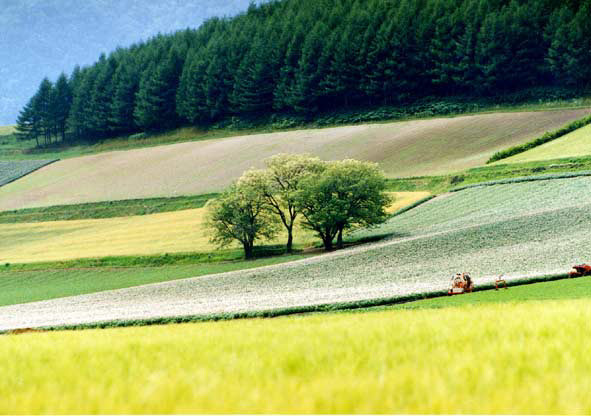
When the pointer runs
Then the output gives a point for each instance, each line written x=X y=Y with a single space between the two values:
x=580 y=270
x=460 y=283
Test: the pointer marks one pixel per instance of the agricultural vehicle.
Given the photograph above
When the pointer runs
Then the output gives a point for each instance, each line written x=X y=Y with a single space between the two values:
x=580 y=270
x=461 y=283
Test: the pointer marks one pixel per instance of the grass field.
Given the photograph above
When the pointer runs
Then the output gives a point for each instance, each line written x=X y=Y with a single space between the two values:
x=167 y=232
x=402 y=149
x=34 y=284
x=521 y=229
x=109 y=209
x=497 y=358
x=575 y=144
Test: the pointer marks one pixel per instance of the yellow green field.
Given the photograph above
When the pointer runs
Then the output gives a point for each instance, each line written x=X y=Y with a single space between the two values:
x=577 y=143
x=168 y=232
x=510 y=358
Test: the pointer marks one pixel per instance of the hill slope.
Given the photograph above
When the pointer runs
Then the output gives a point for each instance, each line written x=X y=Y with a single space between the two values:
x=519 y=230
x=577 y=143
x=402 y=149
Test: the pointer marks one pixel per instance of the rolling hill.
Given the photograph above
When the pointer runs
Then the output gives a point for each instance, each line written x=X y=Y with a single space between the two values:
x=419 y=147
x=577 y=143
x=517 y=229
x=167 y=232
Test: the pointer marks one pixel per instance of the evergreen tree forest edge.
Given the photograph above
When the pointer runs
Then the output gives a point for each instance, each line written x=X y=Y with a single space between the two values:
x=304 y=57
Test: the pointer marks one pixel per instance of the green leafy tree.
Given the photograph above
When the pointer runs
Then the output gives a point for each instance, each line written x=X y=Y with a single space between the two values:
x=28 y=123
x=343 y=196
x=279 y=185
x=241 y=214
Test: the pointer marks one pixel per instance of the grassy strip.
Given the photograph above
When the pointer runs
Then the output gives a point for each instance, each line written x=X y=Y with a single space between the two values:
x=547 y=137
x=412 y=206
x=297 y=310
x=157 y=260
x=107 y=209
x=474 y=176
x=25 y=286
x=524 y=179
x=25 y=172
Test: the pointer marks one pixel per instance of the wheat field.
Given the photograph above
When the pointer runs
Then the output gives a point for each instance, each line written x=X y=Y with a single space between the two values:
x=514 y=358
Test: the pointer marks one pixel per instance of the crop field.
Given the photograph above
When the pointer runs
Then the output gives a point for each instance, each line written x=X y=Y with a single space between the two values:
x=402 y=149
x=370 y=362
x=168 y=232
x=519 y=230
x=577 y=143
x=40 y=283
x=13 y=170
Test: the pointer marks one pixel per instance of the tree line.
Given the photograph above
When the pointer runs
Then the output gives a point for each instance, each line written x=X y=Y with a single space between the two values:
x=304 y=56
x=329 y=197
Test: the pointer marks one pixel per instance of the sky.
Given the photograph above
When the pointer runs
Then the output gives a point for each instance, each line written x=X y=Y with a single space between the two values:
x=40 y=38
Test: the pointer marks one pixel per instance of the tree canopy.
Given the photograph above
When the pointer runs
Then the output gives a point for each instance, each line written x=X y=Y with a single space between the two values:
x=304 y=56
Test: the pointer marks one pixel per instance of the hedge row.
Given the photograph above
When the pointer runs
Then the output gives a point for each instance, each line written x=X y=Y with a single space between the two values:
x=547 y=137
x=525 y=179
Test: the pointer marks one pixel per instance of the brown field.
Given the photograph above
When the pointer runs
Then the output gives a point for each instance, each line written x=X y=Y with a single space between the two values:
x=407 y=148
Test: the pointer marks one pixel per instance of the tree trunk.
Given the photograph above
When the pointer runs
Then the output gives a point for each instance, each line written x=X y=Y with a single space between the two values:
x=327 y=243
x=289 y=246
x=248 y=252
x=340 y=239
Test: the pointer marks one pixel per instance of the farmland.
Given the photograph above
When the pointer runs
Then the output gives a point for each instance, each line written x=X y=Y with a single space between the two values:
x=577 y=143
x=519 y=229
x=166 y=232
x=13 y=170
x=431 y=146
x=522 y=361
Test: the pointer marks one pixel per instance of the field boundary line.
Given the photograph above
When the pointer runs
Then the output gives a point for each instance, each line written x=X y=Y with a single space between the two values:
x=47 y=163
x=279 y=312
x=520 y=179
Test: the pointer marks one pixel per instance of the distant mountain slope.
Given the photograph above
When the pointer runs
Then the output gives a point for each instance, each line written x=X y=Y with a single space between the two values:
x=44 y=37
x=402 y=149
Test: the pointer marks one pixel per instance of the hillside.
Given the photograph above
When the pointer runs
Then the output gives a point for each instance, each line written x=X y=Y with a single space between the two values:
x=519 y=230
x=575 y=144
x=420 y=147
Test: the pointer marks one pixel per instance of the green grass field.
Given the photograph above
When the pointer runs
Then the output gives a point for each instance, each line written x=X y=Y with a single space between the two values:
x=110 y=209
x=575 y=144
x=30 y=284
x=496 y=358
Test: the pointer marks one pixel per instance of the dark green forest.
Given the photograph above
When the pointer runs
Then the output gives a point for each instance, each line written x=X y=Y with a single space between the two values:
x=300 y=57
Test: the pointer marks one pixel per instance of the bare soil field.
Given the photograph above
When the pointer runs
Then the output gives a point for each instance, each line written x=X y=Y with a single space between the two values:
x=418 y=147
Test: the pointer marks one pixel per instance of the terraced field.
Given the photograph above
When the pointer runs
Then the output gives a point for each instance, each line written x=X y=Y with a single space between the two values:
x=520 y=230
x=13 y=170
x=577 y=143
x=402 y=149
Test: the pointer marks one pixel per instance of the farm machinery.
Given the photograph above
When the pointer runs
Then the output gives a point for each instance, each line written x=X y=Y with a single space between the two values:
x=460 y=283
x=580 y=270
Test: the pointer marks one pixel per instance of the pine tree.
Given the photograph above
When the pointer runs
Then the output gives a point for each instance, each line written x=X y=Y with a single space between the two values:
x=125 y=86
x=62 y=104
